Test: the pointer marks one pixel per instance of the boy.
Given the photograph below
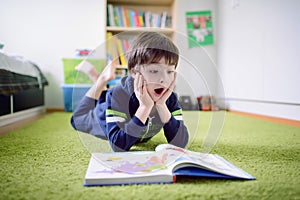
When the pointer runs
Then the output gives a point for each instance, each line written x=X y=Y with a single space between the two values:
x=142 y=104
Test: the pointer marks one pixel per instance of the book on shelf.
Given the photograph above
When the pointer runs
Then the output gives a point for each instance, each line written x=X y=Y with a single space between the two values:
x=118 y=16
x=111 y=49
x=163 y=20
x=121 y=51
x=124 y=17
x=117 y=46
x=160 y=166
x=112 y=56
x=111 y=15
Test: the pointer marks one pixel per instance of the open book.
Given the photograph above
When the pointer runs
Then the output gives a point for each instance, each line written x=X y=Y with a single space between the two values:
x=159 y=166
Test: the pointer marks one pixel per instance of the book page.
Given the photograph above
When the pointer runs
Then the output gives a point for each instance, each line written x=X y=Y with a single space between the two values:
x=182 y=157
x=136 y=163
x=123 y=172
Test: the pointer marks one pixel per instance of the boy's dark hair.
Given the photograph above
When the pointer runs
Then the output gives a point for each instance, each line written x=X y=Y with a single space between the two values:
x=151 y=47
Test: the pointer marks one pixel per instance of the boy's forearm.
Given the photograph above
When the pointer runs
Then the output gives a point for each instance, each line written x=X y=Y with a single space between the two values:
x=142 y=113
x=164 y=113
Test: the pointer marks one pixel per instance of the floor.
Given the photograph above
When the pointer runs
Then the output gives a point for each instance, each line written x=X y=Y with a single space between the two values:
x=8 y=128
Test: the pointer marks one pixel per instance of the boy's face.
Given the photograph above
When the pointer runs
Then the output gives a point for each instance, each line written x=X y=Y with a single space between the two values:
x=159 y=77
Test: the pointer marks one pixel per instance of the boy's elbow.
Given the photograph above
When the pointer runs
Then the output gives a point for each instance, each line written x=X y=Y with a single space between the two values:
x=73 y=122
x=185 y=140
x=180 y=141
x=116 y=148
x=181 y=138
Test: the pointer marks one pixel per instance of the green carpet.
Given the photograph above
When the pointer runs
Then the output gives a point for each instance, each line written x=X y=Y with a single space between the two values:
x=47 y=160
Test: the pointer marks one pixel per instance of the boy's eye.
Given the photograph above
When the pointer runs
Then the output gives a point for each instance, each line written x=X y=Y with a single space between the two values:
x=170 y=72
x=153 y=71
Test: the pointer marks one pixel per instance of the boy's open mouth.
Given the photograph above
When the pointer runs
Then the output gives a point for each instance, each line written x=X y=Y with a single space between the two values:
x=159 y=91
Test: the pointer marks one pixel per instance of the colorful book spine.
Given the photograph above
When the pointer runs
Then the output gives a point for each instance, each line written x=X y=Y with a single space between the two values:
x=120 y=15
x=121 y=53
x=141 y=18
x=111 y=15
x=163 y=20
x=123 y=17
x=116 y=17
x=131 y=15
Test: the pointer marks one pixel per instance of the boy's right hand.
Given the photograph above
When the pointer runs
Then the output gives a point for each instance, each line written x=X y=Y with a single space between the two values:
x=141 y=92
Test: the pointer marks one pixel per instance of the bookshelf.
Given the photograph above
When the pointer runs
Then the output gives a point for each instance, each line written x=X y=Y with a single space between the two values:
x=126 y=18
x=155 y=8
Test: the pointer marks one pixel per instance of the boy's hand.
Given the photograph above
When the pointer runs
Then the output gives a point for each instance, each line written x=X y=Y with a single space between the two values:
x=161 y=106
x=167 y=94
x=141 y=92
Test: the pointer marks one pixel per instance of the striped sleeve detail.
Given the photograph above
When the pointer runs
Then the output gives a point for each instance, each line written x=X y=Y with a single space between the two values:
x=115 y=116
x=114 y=119
x=177 y=114
x=115 y=113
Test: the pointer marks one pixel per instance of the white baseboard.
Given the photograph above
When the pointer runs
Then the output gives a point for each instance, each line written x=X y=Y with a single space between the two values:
x=17 y=116
x=273 y=109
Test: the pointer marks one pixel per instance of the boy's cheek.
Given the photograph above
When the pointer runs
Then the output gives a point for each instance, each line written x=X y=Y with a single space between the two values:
x=149 y=80
x=170 y=80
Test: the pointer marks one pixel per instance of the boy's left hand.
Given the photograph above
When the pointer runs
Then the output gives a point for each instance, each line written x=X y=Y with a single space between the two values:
x=161 y=105
x=167 y=94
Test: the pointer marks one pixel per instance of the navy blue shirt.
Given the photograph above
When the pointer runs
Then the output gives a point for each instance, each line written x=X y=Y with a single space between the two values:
x=112 y=117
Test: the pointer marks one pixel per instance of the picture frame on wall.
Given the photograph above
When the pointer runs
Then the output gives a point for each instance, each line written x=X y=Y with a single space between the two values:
x=199 y=28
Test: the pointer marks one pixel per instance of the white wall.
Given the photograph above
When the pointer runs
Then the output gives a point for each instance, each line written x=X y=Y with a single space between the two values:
x=197 y=70
x=45 y=31
x=258 y=56
x=256 y=47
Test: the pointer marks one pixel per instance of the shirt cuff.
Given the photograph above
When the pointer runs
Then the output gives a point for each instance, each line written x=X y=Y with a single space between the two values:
x=171 y=127
x=137 y=121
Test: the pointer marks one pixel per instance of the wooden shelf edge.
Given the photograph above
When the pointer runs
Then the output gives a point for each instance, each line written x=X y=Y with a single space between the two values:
x=143 y=2
x=139 y=29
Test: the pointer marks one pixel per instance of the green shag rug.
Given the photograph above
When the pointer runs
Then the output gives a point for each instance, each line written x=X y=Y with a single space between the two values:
x=47 y=160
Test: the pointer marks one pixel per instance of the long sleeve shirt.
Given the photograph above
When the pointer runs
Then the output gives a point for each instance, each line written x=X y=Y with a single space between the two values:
x=112 y=117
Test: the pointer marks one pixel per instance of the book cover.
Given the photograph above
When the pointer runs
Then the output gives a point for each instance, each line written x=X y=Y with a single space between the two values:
x=159 y=166
x=121 y=52
x=163 y=20
x=120 y=16
x=141 y=18
x=125 y=16
x=111 y=15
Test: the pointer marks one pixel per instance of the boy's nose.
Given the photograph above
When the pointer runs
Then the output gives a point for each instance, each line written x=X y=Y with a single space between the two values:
x=164 y=80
